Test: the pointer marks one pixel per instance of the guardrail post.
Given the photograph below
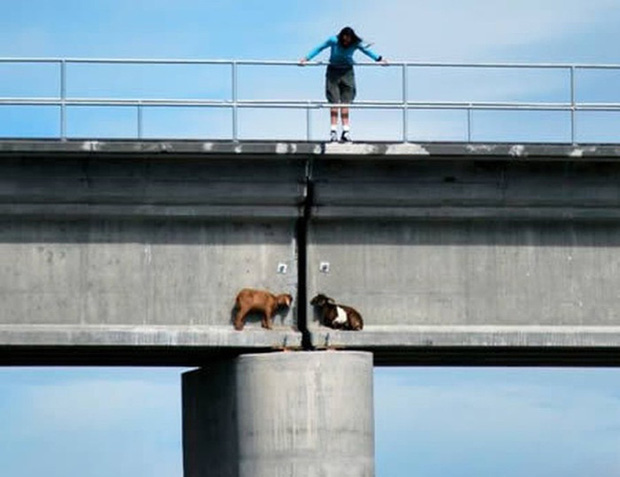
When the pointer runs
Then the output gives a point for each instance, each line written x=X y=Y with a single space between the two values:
x=63 y=97
x=308 y=122
x=405 y=78
x=469 y=118
x=139 y=111
x=572 y=104
x=235 y=131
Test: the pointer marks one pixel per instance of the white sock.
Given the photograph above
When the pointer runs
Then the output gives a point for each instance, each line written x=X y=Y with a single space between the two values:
x=334 y=128
x=346 y=128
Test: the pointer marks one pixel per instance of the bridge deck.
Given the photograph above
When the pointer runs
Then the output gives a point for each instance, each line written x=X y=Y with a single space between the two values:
x=131 y=252
x=409 y=151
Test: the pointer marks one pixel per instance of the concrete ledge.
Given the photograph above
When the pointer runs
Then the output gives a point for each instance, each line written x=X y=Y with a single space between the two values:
x=146 y=212
x=40 y=345
x=155 y=147
x=258 y=149
x=148 y=336
x=403 y=337
x=506 y=213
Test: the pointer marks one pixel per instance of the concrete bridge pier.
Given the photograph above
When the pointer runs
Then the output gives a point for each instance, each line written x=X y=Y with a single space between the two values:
x=288 y=414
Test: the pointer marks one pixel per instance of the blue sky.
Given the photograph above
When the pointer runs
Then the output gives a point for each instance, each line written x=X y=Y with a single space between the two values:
x=569 y=31
x=430 y=422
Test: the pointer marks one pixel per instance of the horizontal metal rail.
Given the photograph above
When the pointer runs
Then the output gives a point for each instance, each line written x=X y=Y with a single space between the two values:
x=234 y=103
x=174 y=61
x=311 y=104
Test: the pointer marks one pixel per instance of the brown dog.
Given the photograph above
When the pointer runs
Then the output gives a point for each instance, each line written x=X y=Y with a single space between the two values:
x=259 y=301
x=339 y=317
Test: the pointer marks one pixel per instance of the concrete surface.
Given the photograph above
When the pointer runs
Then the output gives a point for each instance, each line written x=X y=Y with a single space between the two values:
x=305 y=414
x=269 y=149
x=450 y=246
x=497 y=253
x=144 y=251
x=471 y=273
x=127 y=273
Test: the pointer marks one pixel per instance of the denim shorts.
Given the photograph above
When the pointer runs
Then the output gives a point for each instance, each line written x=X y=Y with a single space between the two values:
x=340 y=84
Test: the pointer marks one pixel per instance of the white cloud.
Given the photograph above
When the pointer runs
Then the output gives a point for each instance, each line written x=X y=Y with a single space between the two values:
x=462 y=31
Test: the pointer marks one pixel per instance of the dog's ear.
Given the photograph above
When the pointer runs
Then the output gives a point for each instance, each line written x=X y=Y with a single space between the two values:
x=331 y=301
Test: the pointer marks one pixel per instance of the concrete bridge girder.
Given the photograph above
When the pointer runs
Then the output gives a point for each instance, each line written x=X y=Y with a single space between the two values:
x=109 y=246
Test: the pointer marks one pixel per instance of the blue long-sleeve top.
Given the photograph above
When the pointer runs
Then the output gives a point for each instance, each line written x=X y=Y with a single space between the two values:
x=341 y=56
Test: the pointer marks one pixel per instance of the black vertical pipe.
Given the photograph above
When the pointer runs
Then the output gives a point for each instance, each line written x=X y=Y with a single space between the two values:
x=302 y=228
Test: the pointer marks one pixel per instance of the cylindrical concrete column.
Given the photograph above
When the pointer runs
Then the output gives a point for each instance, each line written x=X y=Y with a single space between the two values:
x=289 y=414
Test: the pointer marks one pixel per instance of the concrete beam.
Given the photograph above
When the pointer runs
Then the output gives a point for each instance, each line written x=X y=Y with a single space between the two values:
x=464 y=254
x=268 y=149
x=122 y=245
x=137 y=251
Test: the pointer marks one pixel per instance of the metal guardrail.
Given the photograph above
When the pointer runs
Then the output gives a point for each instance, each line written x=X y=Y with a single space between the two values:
x=63 y=100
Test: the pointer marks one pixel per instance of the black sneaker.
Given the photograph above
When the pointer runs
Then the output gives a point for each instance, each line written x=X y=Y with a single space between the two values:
x=333 y=136
x=346 y=137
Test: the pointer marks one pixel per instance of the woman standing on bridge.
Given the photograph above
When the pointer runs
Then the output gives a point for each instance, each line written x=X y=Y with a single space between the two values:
x=340 y=77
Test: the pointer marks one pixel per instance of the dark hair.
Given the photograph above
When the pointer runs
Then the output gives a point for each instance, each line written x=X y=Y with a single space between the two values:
x=355 y=40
